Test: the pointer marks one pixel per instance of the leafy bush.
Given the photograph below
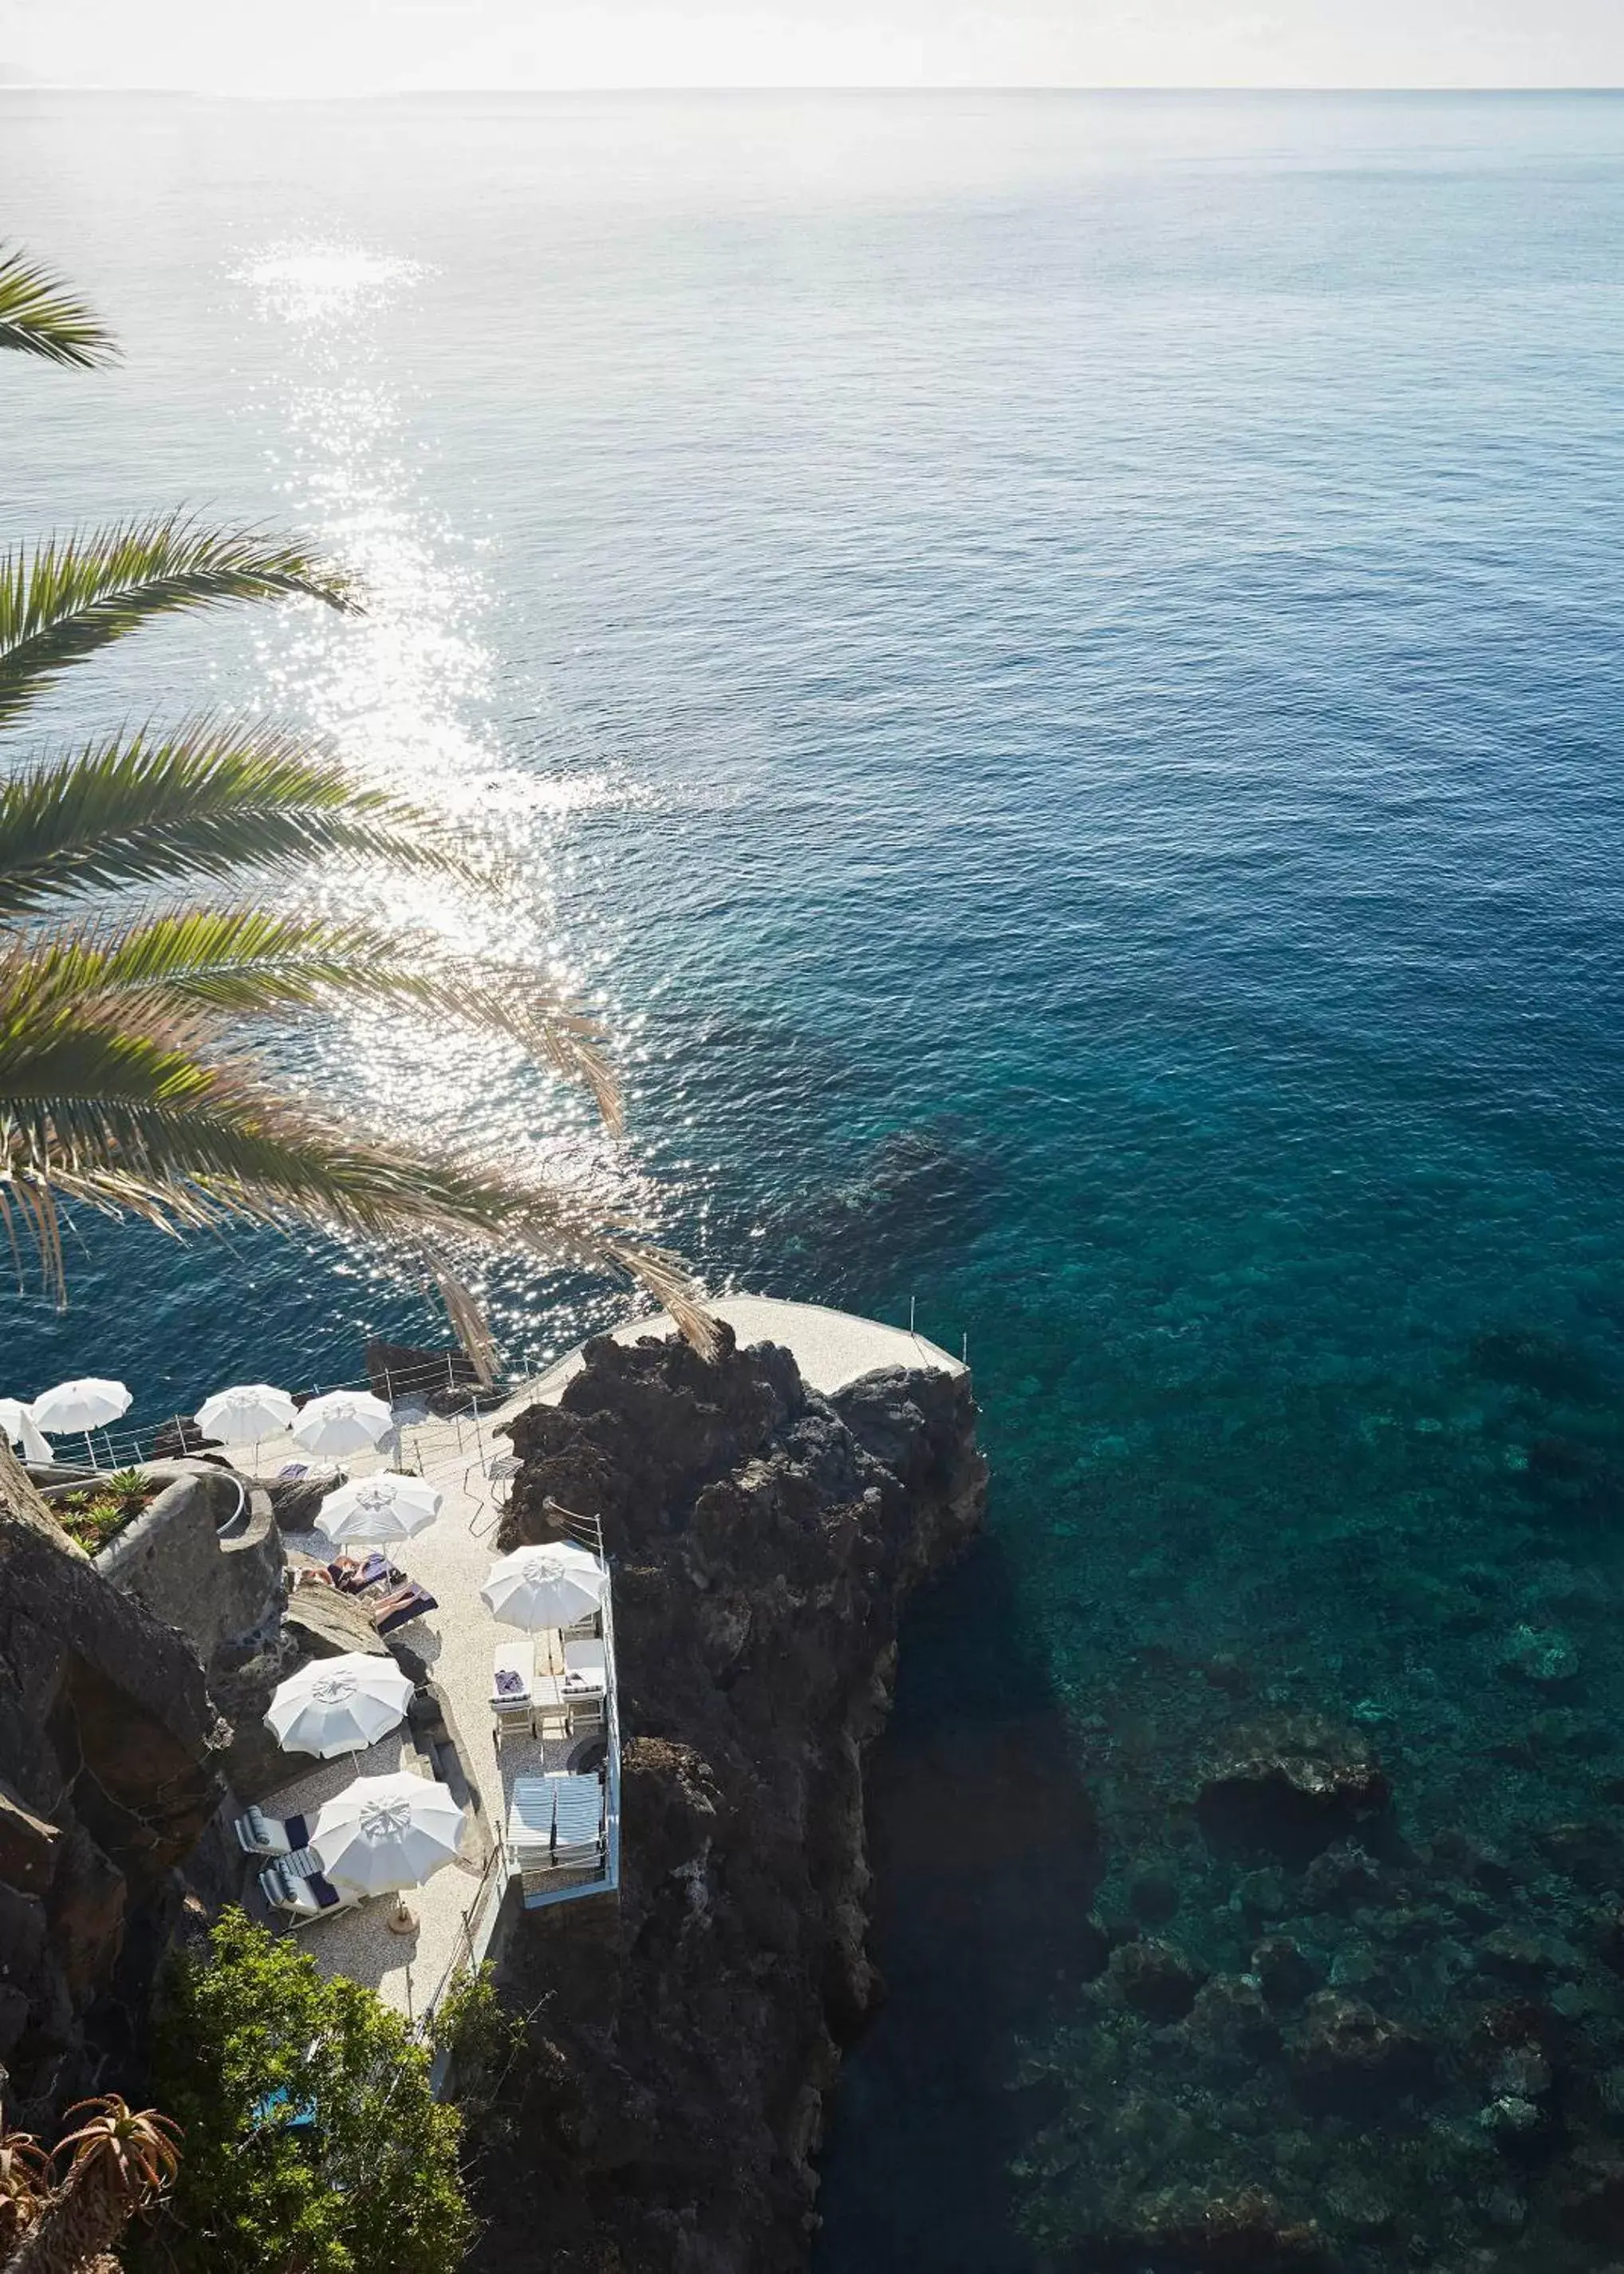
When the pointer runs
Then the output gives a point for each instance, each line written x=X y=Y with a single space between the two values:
x=482 y=2039
x=312 y=2142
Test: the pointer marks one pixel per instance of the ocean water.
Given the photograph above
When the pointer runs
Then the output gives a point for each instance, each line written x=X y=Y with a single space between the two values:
x=1055 y=663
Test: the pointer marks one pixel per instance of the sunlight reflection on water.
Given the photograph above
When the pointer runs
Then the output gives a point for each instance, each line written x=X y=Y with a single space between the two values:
x=401 y=691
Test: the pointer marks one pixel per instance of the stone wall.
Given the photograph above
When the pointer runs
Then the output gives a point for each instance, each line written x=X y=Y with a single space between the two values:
x=174 y=1560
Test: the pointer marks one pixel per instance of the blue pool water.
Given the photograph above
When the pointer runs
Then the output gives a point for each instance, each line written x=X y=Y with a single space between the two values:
x=1056 y=661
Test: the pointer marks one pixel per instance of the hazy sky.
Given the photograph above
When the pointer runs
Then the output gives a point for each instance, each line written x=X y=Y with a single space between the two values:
x=326 y=47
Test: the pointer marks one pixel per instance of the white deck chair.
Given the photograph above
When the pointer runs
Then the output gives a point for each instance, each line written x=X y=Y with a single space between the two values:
x=515 y=1710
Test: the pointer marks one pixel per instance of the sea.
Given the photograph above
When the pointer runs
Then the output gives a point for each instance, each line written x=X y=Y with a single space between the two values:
x=1054 y=664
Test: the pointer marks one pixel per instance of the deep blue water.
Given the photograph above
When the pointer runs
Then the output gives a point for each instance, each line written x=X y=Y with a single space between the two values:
x=1057 y=661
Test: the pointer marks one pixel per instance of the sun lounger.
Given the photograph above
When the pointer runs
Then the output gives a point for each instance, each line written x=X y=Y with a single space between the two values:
x=259 y=1834
x=554 y=1824
x=403 y=1604
x=512 y=1674
x=529 y=1824
x=302 y=1895
x=577 y=1822
x=586 y=1667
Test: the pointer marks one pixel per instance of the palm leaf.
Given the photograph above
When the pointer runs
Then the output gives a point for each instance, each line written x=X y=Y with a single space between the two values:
x=207 y=800
x=228 y=964
x=136 y=1125
x=40 y=316
x=63 y=598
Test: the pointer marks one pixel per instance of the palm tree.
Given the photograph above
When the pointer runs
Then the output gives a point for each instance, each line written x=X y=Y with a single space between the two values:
x=124 y=1083
x=121 y=2160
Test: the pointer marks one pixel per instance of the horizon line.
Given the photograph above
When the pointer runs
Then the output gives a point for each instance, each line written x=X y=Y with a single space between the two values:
x=794 y=87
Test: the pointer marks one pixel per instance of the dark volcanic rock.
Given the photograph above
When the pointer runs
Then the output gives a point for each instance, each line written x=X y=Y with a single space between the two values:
x=1289 y=1787
x=109 y=1747
x=445 y=1380
x=181 y=1439
x=764 y=1538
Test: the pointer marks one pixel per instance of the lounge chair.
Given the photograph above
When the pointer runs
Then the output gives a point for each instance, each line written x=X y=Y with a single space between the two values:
x=259 y=1834
x=403 y=1604
x=578 y=1822
x=304 y=1895
x=586 y=1667
x=512 y=1702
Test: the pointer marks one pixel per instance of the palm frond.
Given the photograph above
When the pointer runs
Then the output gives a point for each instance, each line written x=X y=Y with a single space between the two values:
x=40 y=316
x=66 y=597
x=209 y=799
x=229 y=965
x=138 y=1126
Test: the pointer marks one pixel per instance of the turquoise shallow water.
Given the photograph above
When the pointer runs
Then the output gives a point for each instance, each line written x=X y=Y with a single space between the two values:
x=1058 y=662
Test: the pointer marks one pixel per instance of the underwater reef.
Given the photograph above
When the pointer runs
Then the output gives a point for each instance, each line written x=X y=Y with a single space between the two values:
x=1356 y=2001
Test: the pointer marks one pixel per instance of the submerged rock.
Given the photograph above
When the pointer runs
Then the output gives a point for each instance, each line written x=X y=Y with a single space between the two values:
x=1246 y=2233
x=1153 y=1978
x=1285 y=1973
x=1347 y=2056
x=1289 y=1787
x=1540 y=1655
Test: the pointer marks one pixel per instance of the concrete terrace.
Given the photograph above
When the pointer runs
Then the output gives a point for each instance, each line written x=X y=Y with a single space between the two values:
x=455 y=1911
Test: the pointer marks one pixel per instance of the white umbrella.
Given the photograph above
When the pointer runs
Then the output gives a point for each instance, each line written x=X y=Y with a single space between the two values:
x=21 y=1428
x=382 y=1508
x=551 y=1585
x=387 y=1831
x=247 y=1414
x=339 y=1705
x=343 y=1421
x=74 y=1408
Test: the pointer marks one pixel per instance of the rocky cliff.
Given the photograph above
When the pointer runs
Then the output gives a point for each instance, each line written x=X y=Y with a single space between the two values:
x=663 y=2116
x=109 y=1750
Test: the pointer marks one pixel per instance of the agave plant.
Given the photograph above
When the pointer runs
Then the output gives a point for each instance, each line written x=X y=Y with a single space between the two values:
x=124 y=1084
x=25 y=2184
x=120 y=2160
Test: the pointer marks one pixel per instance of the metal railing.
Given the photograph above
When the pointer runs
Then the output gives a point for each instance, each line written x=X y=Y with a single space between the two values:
x=123 y=1448
x=588 y=1531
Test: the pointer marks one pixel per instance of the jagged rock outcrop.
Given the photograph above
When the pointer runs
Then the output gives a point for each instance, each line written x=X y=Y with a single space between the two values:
x=444 y=1381
x=108 y=1752
x=765 y=1538
x=206 y=1557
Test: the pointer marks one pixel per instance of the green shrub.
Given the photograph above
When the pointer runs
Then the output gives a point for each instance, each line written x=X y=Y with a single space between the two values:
x=481 y=2038
x=312 y=2142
